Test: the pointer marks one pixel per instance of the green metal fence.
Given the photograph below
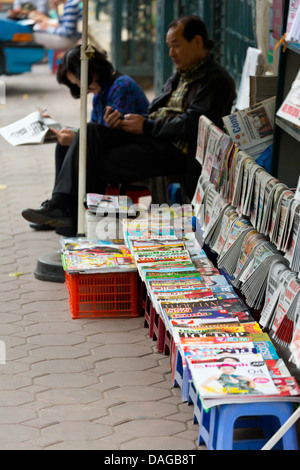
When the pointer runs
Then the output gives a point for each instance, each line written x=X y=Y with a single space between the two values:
x=133 y=36
x=139 y=29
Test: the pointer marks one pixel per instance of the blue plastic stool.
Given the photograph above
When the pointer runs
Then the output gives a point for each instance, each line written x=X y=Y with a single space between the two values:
x=175 y=195
x=201 y=416
x=269 y=416
x=181 y=378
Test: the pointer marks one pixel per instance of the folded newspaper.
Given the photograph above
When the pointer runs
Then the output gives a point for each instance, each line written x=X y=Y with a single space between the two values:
x=32 y=129
x=251 y=129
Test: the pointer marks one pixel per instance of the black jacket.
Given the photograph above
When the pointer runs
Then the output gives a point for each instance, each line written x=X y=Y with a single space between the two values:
x=211 y=93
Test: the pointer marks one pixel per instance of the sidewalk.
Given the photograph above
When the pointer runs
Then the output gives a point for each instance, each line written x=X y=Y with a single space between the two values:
x=69 y=384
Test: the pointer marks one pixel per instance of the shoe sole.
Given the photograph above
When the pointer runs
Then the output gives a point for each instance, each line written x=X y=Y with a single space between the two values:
x=38 y=218
x=41 y=227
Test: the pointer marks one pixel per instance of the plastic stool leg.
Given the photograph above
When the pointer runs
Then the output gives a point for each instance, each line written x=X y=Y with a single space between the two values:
x=225 y=416
x=178 y=375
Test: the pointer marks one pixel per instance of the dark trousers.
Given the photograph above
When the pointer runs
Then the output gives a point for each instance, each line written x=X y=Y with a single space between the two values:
x=115 y=157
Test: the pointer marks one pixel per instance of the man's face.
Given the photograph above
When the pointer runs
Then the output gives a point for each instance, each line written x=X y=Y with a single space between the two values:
x=184 y=54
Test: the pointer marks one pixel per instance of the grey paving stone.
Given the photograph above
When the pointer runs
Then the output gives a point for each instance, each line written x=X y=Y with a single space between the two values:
x=76 y=431
x=132 y=377
x=56 y=339
x=139 y=393
x=68 y=396
x=143 y=410
x=17 y=432
x=67 y=380
x=77 y=412
x=158 y=443
x=150 y=427
x=15 y=414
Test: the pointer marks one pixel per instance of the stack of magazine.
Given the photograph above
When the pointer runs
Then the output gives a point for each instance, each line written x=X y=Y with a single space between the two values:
x=85 y=256
x=227 y=356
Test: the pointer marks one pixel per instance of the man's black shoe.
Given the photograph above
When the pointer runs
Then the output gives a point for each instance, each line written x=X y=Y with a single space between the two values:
x=41 y=227
x=50 y=214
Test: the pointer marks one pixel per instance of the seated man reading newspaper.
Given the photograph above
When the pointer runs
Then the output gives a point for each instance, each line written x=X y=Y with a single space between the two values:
x=159 y=144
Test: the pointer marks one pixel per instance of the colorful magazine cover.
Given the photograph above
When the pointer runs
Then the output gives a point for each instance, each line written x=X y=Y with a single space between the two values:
x=244 y=375
x=75 y=261
x=188 y=336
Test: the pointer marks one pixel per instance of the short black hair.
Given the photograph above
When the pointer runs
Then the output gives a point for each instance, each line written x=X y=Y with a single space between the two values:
x=193 y=26
x=97 y=65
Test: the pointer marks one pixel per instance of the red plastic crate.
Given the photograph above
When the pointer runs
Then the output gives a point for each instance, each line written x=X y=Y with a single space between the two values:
x=103 y=295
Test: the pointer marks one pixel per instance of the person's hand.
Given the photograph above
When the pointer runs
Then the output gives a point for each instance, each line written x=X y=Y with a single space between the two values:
x=14 y=13
x=112 y=117
x=133 y=123
x=65 y=137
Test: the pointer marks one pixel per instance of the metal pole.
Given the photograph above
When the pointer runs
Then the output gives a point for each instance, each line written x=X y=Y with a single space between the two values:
x=83 y=119
x=287 y=425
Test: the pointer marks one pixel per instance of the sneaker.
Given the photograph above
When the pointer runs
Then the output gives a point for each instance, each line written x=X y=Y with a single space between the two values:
x=50 y=214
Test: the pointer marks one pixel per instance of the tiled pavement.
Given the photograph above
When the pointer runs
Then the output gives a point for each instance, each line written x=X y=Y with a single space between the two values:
x=68 y=384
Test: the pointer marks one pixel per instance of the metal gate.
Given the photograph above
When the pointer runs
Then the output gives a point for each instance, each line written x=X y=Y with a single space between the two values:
x=133 y=35
x=139 y=30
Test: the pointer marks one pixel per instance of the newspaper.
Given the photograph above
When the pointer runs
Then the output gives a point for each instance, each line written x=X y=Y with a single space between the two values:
x=32 y=129
x=293 y=22
x=290 y=108
x=251 y=129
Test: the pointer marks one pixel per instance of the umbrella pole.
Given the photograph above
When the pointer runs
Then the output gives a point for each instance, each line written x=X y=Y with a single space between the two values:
x=83 y=120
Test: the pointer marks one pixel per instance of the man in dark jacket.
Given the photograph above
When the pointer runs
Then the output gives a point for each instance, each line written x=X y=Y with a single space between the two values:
x=162 y=143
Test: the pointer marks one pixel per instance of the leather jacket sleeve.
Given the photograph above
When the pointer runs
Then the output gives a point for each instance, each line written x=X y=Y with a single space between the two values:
x=211 y=94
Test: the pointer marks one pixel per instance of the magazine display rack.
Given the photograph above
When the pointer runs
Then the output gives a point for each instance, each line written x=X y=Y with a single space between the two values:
x=207 y=320
x=237 y=201
x=286 y=146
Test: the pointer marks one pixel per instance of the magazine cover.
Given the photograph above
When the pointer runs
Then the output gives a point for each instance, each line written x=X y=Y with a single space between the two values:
x=189 y=336
x=287 y=386
x=223 y=305
x=75 y=262
x=204 y=353
x=179 y=287
x=193 y=295
x=139 y=246
x=244 y=375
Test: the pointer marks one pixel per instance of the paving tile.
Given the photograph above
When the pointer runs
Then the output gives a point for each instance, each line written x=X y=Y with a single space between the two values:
x=15 y=397
x=68 y=380
x=13 y=414
x=139 y=393
x=68 y=396
x=150 y=427
x=125 y=364
x=17 y=432
x=132 y=377
x=56 y=339
x=143 y=410
x=77 y=412
x=13 y=382
x=122 y=350
x=61 y=365
x=158 y=443
x=118 y=338
x=76 y=431
x=99 y=444
x=59 y=352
